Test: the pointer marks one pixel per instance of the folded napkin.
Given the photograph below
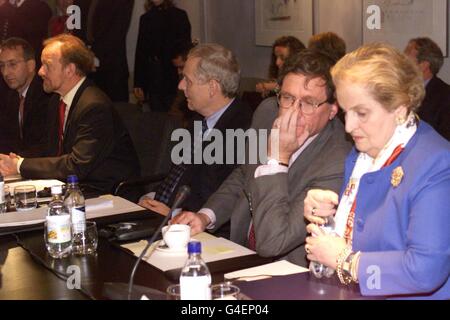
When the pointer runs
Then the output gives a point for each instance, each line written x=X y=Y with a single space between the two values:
x=278 y=268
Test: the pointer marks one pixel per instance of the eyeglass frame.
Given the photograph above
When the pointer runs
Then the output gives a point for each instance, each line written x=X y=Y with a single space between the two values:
x=314 y=106
x=11 y=64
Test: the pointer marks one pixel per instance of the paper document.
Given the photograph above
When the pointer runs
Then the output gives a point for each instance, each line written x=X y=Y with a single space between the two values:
x=12 y=178
x=213 y=249
x=102 y=206
x=278 y=268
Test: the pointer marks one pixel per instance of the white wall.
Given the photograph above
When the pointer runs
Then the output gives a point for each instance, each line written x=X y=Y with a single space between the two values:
x=232 y=23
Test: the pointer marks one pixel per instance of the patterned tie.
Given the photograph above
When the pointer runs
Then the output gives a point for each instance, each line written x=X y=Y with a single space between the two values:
x=61 y=117
x=166 y=188
x=21 y=114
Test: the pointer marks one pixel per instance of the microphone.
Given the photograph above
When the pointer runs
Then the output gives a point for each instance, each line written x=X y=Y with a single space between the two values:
x=111 y=288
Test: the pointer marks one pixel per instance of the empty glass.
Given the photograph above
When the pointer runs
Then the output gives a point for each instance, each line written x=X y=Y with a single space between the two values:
x=86 y=241
x=6 y=202
x=25 y=198
x=225 y=291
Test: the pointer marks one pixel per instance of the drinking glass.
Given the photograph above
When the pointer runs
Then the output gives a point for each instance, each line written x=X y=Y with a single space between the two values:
x=25 y=198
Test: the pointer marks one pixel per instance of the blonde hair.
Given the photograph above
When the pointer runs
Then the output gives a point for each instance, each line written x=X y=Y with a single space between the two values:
x=392 y=78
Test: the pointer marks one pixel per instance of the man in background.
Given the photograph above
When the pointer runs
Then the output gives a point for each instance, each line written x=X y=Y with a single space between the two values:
x=435 y=108
x=24 y=126
x=88 y=137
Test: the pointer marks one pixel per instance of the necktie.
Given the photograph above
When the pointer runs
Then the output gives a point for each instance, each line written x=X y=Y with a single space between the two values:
x=166 y=188
x=251 y=237
x=61 y=117
x=204 y=126
x=21 y=114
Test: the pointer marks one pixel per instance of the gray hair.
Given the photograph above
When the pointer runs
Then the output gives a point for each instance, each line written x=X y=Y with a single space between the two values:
x=217 y=63
x=428 y=50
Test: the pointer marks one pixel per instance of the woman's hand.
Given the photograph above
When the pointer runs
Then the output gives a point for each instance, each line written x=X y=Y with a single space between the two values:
x=320 y=204
x=323 y=248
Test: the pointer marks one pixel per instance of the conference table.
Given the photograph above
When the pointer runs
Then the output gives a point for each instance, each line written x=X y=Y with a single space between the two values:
x=27 y=272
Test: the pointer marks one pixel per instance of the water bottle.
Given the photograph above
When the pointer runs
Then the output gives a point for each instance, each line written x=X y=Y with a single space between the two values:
x=58 y=233
x=3 y=206
x=317 y=269
x=74 y=202
x=195 y=278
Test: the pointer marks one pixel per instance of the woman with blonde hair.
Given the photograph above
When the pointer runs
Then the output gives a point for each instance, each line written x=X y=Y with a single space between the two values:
x=392 y=220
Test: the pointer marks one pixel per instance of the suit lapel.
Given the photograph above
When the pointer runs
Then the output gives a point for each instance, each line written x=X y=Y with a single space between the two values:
x=74 y=105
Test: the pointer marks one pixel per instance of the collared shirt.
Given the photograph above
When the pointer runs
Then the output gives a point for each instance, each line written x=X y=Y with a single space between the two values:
x=212 y=120
x=263 y=170
x=68 y=98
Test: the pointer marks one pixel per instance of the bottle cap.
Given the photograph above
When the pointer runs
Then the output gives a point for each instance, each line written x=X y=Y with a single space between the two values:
x=56 y=189
x=194 y=247
x=72 y=179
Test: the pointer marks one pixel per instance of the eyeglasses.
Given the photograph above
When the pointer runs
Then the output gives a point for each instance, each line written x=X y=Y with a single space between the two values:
x=286 y=101
x=10 y=64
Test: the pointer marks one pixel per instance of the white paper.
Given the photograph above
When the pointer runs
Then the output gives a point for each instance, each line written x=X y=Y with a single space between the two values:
x=213 y=249
x=278 y=268
x=102 y=206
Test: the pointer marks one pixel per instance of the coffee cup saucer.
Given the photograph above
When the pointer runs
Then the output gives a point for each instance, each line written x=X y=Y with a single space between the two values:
x=162 y=247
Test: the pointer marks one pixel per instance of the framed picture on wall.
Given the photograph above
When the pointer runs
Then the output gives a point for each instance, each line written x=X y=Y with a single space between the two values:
x=276 y=18
x=402 y=20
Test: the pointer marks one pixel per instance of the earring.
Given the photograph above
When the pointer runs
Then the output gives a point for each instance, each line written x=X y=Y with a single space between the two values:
x=400 y=120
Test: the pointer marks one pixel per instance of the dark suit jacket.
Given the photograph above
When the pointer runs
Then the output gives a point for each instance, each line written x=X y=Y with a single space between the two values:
x=110 y=26
x=34 y=16
x=277 y=200
x=159 y=29
x=435 y=107
x=9 y=23
x=204 y=179
x=97 y=147
x=35 y=125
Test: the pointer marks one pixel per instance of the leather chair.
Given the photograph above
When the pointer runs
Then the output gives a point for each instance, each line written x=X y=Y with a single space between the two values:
x=150 y=133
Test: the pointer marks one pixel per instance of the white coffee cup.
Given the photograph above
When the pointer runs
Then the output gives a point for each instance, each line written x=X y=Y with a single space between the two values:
x=176 y=236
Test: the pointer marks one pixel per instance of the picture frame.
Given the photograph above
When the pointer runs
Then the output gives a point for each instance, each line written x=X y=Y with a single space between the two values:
x=276 y=18
x=402 y=20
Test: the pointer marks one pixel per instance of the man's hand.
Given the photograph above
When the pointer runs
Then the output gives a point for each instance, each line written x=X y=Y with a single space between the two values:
x=292 y=134
x=155 y=206
x=8 y=164
x=197 y=221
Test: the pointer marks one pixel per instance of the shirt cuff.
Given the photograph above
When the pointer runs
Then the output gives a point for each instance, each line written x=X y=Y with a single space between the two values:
x=270 y=170
x=150 y=195
x=19 y=163
x=212 y=217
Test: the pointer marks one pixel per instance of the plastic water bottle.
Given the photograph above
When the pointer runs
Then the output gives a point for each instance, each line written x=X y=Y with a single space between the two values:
x=195 y=278
x=58 y=233
x=3 y=206
x=317 y=269
x=74 y=202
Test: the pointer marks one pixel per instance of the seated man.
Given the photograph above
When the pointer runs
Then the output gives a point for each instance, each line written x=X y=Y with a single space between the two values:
x=265 y=203
x=24 y=125
x=435 y=108
x=88 y=138
x=210 y=83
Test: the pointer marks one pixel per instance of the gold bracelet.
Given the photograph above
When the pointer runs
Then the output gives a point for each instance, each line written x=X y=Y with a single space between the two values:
x=353 y=265
x=341 y=259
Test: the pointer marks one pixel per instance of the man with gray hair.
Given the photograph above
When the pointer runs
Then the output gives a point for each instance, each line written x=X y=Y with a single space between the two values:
x=435 y=108
x=210 y=82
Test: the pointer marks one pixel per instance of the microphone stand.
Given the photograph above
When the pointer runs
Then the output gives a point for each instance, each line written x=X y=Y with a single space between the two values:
x=115 y=290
